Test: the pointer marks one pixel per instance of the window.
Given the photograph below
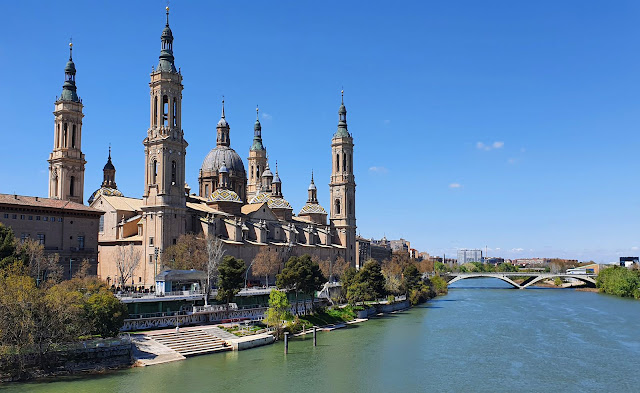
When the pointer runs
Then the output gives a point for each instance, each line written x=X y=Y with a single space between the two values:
x=23 y=237
x=22 y=216
x=165 y=111
x=101 y=224
x=174 y=169
x=30 y=218
x=151 y=241
x=14 y=216
x=73 y=137
x=155 y=172
x=150 y=258
x=6 y=215
x=59 y=219
x=72 y=185
x=64 y=137
x=337 y=208
x=175 y=240
x=206 y=190
x=37 y=218
x=45 y=218
x=337 y=162
x=155 y=110
x=344 y=162
x=175 y=112
x=41 y=239
x=81 y=243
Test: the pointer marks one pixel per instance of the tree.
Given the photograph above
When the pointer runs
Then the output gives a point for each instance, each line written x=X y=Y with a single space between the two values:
x=266 y=263
x=347 y=279
x=332 y=269
x=189 y=252
x=230 y=279
x=105 y=313
x=367 y=284
x=278 y=310
x=214 y=257
x=128 y=259
x=301 y=275
x=410 y=278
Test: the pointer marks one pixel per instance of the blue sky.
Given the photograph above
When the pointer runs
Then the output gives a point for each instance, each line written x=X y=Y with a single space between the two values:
x=510 y=125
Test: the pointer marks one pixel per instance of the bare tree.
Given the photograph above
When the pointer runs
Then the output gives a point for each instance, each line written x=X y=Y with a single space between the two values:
x=215 y=253
x=265 y=264
x=127 y=262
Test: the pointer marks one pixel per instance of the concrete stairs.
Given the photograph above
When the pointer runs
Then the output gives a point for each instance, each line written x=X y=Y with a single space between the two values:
x=191 y=342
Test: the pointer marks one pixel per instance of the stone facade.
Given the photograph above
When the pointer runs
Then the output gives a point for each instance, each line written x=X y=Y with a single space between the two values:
x=65 y=228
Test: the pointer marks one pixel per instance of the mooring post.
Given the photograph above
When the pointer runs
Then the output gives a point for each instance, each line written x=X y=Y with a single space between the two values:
x=315 y=340
x=286 y=343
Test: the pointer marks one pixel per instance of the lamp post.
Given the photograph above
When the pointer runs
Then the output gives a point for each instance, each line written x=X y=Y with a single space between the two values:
x=156 y=251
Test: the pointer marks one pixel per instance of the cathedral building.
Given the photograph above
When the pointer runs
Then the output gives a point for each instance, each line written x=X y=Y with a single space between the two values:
x=246 y=208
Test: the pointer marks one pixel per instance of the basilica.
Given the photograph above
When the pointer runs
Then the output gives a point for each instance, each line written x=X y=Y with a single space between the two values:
x=242 y=205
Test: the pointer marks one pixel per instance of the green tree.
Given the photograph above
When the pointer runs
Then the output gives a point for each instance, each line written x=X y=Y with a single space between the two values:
x=230 y=278
x=105 y=313
x=301 y=275
x=278 y=310
x=411 y=278
x=346 y=280
x=619 y=281
x=368 y=283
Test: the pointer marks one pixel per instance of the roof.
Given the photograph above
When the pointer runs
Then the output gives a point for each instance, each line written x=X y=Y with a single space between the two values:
x=311 y=208
x=124 y=203
x=252 y=207
x=224 y=195
x=37 y=202
x=175 y=275
x=203 y=207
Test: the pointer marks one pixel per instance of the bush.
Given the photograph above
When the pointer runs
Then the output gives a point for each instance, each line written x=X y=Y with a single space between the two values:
x=619 y=281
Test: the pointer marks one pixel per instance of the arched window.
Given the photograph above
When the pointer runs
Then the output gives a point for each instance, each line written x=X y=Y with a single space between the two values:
x=175 y=112
x=154 y=173
x=165 y=111
x=72 y=186
x=350 y=206
x=155 y=110
x=64 y=136
x=344 y=162
x=337 y=208
x=58 y=136
x=174 y=170
x=206 y=190
x=338 y=162
x=73 y=136
x=251 y=172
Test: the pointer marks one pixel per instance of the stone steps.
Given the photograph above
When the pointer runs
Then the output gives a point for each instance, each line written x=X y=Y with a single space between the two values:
x=191 y=342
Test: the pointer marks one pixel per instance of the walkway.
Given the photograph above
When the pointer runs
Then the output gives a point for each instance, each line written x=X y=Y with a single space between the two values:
x=531 y=277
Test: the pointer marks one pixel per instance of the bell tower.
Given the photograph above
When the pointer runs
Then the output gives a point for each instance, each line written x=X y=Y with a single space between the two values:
x=66 y=161
x=164 y=199
x=257 y=160
x=343 y=188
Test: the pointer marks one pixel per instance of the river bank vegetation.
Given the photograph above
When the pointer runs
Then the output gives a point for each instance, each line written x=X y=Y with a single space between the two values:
x=619 y=281
x=40 y=313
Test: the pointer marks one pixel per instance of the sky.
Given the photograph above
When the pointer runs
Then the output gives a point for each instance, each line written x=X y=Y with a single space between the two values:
x=507 y=125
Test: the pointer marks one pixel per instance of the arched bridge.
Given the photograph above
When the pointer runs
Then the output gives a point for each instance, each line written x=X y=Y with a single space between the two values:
x=531 y=278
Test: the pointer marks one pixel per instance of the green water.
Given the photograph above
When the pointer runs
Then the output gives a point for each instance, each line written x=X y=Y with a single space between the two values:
x=476 y=339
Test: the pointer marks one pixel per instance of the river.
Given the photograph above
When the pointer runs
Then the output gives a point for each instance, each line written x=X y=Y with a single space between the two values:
x=481 y=337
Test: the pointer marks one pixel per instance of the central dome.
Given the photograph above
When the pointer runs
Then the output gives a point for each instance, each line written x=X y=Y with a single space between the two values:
x=214 y=160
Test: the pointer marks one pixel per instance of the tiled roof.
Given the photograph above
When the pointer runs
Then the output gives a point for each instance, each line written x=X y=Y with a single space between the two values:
x=29 y=201
x=224 y=195
x=312 y=208
x=124 y=203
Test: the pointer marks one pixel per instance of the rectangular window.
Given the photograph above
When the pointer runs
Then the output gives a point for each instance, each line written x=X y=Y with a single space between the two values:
x=60 y=219
x=151 y=241
x=53 y=219
x=41 y=238
x=6 y=215
x=22 y=216
x=37 y=218
x=101 y=224
x=45 y=218
x=23 y=237
x=15 y=216
x=30 y=218
x=80 y=243
x=150 y=258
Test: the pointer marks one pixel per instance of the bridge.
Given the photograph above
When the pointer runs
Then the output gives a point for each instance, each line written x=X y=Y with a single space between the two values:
x=531 y=278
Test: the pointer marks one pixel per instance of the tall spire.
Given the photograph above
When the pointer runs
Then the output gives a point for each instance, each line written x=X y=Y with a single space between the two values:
x=276 y=184
x=166 y=63
x=257 y=134
x=342 y=131
x=222 y=130
x=69 y=90
x=313 y=191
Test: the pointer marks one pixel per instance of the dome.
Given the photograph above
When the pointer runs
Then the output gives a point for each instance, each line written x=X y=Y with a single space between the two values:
x=104 y=191
x=272 y=202
x=223 y=155
x=267 y=172
x=224 y=195
x=70 y=68
x=109 y=165
x=311 y=208
x=166 y=32
x=222 y=123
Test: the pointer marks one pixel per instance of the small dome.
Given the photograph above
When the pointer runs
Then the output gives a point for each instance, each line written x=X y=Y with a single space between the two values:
x=70 y=68
x=224 y=195
x=342 y=110
x=267 y=172
x=311 y=208
x=272 y=202
x=276 y=178
x=223 y=154
x=109 y=166
x=104 y=191
x=223 y=123
x=166 y=32
x=312 y=186
x=257 y=126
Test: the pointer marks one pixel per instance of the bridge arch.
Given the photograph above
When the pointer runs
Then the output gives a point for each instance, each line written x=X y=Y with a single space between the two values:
x=504 y=278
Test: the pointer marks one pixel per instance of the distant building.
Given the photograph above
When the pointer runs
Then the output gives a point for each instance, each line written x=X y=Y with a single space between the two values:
x=379 y=250
x=494 y=260
x=628 y=261
x=400 y=245
x=465 y=256
x=63 y=227
x=413 y=253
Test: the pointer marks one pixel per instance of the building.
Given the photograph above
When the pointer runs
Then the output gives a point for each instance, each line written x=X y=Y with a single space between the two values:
x=400 y=245
x=247 y=209
x=629 y=261
x=63 y=227
x=465 y=256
